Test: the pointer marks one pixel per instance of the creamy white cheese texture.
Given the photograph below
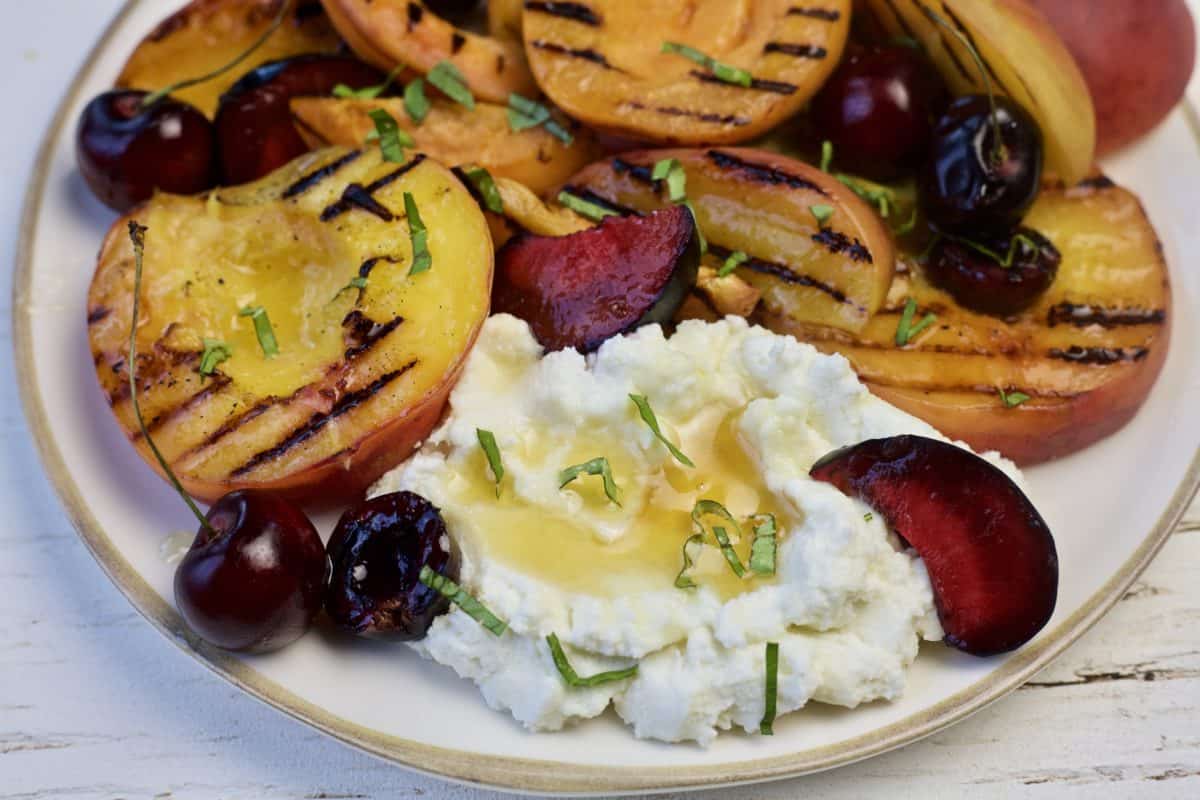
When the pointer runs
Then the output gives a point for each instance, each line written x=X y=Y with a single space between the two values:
x=847 y=605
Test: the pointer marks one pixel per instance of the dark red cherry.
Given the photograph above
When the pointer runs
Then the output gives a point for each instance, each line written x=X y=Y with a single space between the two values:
x=999 y=275
x=878 y=110
x=125 y=150
x=378 y=549
x=256 y=133
x=969 y=185
x=255 y=581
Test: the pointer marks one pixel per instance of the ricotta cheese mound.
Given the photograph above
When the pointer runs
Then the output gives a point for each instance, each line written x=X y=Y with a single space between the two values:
x=754 y=410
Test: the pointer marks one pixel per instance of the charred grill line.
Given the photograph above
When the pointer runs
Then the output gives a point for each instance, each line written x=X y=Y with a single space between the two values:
x=415 y=13
x=828 y=15
x=812 y=51
x=902 y=22
x=838 y=242
x=97 y=314
x=363 y=333
x=762 y=173
x=577 y=12
x=457 y=40
x=584 y=53
x=313 y=425
x=1099 y=355
x=987 y=65
x=761 y=84
x=356 y=195
x=232 y=424
x=603 y=202
x=636 y=171
x=316 y=176
x=364 y=271
x=784 y=273
x=218 y=383
x=1084 y=315
x=346 y=203
x=703 y=116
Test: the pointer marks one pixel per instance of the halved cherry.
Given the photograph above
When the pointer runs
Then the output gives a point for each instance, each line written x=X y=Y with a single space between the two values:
x=990 y=556
x=578 y=290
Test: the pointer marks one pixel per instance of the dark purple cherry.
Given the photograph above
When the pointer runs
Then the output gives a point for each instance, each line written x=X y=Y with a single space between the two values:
x=971 y=184
x=255 y=580
x=878 y=110
x=378 y=549
x=999 y=275
x=125 y=151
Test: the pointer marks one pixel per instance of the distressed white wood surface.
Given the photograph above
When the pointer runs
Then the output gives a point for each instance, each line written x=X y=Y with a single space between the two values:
x=95 y=704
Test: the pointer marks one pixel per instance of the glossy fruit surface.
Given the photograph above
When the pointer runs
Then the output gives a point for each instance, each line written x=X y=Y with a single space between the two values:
x=377 y=550
x=990 y=556
x=981 y=282
x=972 y=185
x=255 y=130
x=125 y=151
x=878 y=110
x=255 y=581
x=579 y=290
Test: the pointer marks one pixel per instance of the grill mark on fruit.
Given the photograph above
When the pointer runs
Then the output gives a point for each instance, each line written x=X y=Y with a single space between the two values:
x=760 y=84
x=152 y=368
x=1083 y=315
x=356 y=195
x=810 y=51
x=902 y=22
x=703 y=116
x=841 y=244
x=415 y=13
x=584 y=53
x=315 y=423
x=343 y=205
x=577 y=12
x=231 y=424
x=1099 y=355
x=786 y=274
x=216 y=384
x=603 y=202
x=97 y=314
x=364 y=271
x=316 y=176
x=825 y=14
x=636 y=171
x=457 y=40
x=762 y=173
x=362 y=333
x=958 y=23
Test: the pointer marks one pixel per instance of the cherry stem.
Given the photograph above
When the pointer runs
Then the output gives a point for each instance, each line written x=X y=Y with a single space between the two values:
x=137 y=235
x=280 y=15
x=999 y=151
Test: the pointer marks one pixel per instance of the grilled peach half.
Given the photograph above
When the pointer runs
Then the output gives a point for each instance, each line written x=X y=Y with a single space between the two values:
x=453 y=135
x=363 y=368
x=205 y=34
x=603 y=63
x=816 y=253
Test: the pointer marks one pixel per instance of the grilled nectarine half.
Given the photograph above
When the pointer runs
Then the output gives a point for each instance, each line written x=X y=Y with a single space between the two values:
x=316 y=262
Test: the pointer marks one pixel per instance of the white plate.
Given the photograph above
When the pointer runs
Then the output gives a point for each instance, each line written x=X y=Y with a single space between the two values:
x=1110 y=507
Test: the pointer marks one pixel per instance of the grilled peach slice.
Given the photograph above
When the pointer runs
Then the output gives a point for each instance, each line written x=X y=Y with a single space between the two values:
x=602 y=62
x=362 y=371
x=1025 y=60
x=391 y=33
x=453 y=135
x=205 y=34
x=1086 y=354
x=834 y=273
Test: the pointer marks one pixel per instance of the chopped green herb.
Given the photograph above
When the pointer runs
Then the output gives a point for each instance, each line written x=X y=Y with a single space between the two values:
x=731 y=556
x=572 y=678
x=461 y=598
x=422 y=260
x=483 y=182
x=559 y=132
x=368 y=92
x=524 y=113
x=262 y=329
x=446 y=77
x=593 y=211
x=735 y=260
x=215 y=351
x=906 y=331
x=597 y=466
x=357 y=282
x=867 y=517
x=909 y=226
x=766 y=727
x=670 y=170
x=1014 y=398
x=712 y=507
x=826 y=155
x=1005 y=260
x=648 y=417
x=723 y=72
x=762 y=549
x=879 y=196
x=416 y=104
x=392 y=140
x=822 y=214
x=487 y=440
x=683 y=580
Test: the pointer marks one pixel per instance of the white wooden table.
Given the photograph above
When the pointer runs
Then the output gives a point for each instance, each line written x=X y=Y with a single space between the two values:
x=95 y=704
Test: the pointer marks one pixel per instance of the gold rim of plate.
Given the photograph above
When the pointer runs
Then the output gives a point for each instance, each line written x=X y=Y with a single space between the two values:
x=498 y=771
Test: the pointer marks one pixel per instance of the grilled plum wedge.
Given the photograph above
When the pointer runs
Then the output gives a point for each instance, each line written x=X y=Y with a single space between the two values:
x=990 y=555
x=579 y=290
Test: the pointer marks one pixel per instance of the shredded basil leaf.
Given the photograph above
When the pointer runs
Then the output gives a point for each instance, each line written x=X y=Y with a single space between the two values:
x=867 y=517
x=683 y=580
x=487 y=441
x=357 y=282
x=524 y=113
x=648 y=417
x=1005 y=260
x=1014 y=398
x=723 y=72
x=483 y=182
x=770 y=706
x=826 y=155
x=712 y=507
x=215 y=352
x=593 y=211
x=822 y=214
x=763 y=548
x=445 y=76
x=735 y=260
x=262 y=329
x=670 y=170
x=461 y=598
x=416 y=104
x=906 y=331
x=879 y=196
x=597 y=466
x=573 y=679
x=422 y=260
x=392 y=140
x=731 y=556
x=369 y=92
